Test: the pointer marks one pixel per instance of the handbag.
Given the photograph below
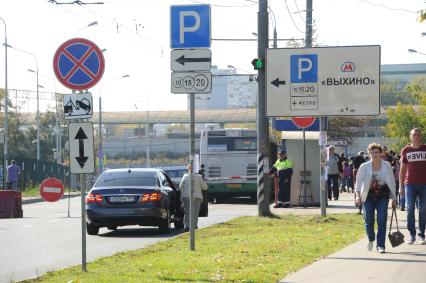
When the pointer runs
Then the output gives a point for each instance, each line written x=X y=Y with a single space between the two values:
x=396 y=238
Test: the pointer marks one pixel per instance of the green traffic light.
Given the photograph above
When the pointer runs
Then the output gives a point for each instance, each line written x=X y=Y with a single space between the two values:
x=258 y=63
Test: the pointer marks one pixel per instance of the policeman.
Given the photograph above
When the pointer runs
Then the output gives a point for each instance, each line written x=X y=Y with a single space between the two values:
x=284 y=167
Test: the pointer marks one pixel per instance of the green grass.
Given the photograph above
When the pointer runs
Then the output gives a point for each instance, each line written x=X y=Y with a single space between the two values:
x=247 y=249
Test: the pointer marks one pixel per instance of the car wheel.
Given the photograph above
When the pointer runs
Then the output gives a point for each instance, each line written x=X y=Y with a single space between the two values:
x=112 y=228
x=92 y=229
x=178 y=224
x=165 y=224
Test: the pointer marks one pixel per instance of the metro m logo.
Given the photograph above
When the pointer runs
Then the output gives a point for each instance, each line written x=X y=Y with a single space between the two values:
x=304 y=68
x=190 y=26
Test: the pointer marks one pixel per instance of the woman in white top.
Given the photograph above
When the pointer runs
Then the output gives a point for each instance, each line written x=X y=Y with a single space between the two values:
x=375 y=185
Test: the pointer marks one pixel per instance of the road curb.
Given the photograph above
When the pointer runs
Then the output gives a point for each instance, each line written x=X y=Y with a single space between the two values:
x=29 y=200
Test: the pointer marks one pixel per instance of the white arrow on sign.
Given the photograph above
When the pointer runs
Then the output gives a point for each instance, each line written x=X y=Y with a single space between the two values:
x=81 y=148
x=191 y=60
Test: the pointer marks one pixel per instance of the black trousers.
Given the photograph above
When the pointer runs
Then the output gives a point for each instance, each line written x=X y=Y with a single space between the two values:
x=333 y=186
x=284 y=183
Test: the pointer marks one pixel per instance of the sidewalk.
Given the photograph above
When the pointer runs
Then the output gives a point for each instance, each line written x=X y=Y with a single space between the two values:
x=354 y=263
x=28 y=200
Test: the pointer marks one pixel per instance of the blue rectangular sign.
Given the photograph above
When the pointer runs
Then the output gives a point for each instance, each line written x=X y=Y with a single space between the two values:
x=304 y=68
x=190 y=26
x=288 y=125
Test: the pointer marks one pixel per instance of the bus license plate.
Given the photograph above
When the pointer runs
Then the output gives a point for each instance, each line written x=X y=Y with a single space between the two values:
x=233 y=185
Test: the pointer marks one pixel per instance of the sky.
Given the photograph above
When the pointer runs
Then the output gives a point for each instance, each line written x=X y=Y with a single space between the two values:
x=136 y=36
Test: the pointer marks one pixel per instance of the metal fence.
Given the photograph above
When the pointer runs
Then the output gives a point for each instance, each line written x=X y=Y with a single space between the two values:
x=33 y=172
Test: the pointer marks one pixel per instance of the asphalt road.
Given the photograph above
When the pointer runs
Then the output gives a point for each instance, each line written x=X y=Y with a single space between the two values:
x=46 y=239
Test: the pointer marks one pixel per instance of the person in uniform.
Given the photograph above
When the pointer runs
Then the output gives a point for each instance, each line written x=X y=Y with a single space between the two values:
x=284 y=169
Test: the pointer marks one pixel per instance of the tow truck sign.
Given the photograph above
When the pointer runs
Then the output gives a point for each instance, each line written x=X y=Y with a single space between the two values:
x=78 y=105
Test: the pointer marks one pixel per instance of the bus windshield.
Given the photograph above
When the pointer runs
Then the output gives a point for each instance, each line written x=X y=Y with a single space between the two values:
x=231 y=144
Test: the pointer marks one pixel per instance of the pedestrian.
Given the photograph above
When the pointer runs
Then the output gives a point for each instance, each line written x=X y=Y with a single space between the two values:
x=412 y=183
x=375 y=185
x=345 y=180
x=333 y=173
x=284 y=169
x=197 y=196
x=396 y=168
x=13 y=172
x=358 y=160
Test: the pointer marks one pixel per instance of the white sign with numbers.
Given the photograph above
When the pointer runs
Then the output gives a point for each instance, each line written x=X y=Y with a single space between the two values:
x=191 y=82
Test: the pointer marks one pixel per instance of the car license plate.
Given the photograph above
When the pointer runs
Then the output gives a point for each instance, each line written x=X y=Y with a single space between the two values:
x=233 y=185
x=122 y=199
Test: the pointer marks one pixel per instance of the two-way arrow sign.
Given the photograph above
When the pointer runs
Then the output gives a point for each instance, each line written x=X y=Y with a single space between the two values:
x=81 y=148
x=190 y=60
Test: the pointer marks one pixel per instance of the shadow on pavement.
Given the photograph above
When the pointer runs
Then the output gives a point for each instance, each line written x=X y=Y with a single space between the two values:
x=379 y=259
x=144 y=232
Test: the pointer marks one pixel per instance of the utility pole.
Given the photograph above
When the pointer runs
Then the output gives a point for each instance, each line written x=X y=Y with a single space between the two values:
x=263 y=189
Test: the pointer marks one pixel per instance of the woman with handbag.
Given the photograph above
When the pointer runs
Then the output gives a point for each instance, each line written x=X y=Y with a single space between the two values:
x=375 y=185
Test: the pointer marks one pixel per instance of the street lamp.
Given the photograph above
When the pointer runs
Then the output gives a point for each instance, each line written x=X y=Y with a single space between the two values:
x=100 y=153
x=415 y=51
x=87 y=26
x=38 y=99
x=5 y=129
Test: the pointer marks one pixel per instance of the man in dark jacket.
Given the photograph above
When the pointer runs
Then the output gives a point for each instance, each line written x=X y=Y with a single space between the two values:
x=284 y=167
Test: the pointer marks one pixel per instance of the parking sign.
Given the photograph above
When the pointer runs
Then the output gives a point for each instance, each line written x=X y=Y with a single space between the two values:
x=304 y=68
x=190 y=26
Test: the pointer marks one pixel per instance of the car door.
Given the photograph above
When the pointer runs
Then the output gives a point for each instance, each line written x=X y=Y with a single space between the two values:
x=174 y=196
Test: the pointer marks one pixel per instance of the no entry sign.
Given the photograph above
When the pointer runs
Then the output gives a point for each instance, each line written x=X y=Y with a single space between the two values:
x=51 y=189
x=303 y=122
x=78 y=64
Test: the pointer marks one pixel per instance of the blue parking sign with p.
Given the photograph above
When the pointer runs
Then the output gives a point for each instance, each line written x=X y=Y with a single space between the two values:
x=190 y=26
x=304 y=68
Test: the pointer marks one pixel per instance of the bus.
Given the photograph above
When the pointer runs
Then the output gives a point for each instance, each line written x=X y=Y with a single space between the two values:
x=228 y=161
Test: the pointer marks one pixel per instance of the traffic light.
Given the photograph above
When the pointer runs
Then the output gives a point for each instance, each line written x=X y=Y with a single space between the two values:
x=258 y=63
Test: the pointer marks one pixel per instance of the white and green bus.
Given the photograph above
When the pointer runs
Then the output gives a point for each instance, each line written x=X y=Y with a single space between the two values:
x=228 y=159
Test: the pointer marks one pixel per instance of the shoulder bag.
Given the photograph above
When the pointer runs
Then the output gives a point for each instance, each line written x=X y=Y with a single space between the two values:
x=396 y=238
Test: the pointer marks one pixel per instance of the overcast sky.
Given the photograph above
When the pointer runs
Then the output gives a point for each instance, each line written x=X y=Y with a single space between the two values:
x=136 y=36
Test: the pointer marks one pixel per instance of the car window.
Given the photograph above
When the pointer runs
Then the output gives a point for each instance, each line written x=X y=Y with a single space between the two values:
x=110 y=179
x=176 y=173
x=163 y=180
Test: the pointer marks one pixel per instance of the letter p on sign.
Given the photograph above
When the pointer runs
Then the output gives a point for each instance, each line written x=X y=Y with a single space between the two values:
x=304 y=68
x=190 y=26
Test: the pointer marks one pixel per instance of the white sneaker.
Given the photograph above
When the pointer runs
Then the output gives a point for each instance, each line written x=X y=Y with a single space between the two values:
x=381 y=250
x=422 y=240
x=370 y=246
x=411 y=240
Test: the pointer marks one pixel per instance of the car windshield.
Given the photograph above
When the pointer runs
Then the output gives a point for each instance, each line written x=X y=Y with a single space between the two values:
x=112 y=179
x=176 y=173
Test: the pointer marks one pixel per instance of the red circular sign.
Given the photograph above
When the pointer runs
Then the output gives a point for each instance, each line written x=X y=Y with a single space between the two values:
x=78 y=64
x=303 y=122
x=51 y=189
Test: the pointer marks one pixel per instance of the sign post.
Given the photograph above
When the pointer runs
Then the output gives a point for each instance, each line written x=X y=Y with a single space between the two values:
x=304 y=122
x=79 y=64
x=190 y=27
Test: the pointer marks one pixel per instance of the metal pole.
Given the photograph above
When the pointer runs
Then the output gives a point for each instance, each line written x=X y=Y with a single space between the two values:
x=83 y=222
x=148 y=148
x=6 y=140
x=263 y=190
x=38 y=117
x=101 y=152
x=191 y=160
x=304 y=169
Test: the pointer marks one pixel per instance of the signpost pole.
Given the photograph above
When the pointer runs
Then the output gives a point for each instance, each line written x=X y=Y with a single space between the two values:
x=83 y=222
x=262 y=121
x=304 y=169
x=191 y=158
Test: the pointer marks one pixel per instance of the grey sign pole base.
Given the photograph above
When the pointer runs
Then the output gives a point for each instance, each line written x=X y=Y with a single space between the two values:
x=83 y=222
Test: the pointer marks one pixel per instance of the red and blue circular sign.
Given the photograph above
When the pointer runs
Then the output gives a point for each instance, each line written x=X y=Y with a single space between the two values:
x=78 y=64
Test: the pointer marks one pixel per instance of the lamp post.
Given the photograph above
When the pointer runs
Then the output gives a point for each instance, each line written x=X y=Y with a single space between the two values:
x=100 y=153
x=5 y=129
x=415 y=51
x=38 y=99
x=95 y=23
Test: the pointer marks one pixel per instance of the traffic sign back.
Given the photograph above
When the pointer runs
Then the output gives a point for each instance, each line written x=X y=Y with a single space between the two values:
x=51 y=189
x=78 y=64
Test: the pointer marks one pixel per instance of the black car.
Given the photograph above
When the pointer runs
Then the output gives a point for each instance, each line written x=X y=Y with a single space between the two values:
x=135 y=196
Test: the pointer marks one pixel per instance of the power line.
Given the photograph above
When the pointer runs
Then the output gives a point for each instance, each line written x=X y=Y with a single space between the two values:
x=291 y=17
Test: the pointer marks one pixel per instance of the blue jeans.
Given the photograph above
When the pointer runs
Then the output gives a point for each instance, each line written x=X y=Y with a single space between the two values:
x=381 y=205
x=411 y=193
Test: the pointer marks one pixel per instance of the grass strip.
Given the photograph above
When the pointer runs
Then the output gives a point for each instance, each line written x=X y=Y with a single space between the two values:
x=246 y=249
